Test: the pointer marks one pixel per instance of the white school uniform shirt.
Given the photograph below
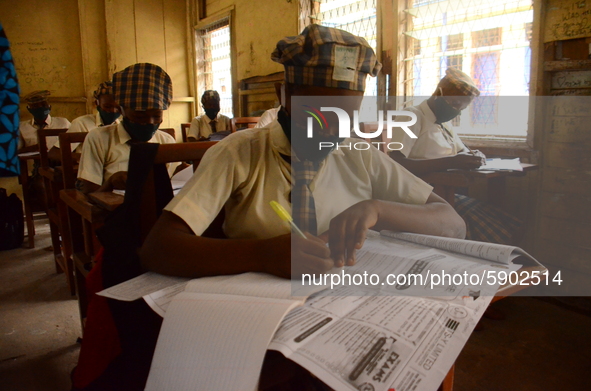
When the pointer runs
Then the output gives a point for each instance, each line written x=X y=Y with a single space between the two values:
x=432 y=140
x=245 y=171
x=28 y=131
x=84 y=124
x=267 y=117
x=200 y=126
x=106 y=151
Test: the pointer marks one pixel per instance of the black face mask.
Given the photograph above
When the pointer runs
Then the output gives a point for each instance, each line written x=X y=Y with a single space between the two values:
x=211 y=113
x=108 y=117
x=304 y=147
x=442 y=110
x=40 y=113
x=140 y=132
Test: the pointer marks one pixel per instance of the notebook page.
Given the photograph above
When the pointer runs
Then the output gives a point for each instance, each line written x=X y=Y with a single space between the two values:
x=247 y=284
x=214 y=342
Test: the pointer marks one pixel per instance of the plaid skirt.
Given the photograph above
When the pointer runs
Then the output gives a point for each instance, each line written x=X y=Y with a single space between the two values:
x=487 y=223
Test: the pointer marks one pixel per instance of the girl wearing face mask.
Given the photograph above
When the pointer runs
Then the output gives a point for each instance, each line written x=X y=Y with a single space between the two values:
x=438 y=148
x=40 y=109
x=203 y=126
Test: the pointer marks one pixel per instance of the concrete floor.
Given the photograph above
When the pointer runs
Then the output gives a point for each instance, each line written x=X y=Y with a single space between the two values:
x=539 y=346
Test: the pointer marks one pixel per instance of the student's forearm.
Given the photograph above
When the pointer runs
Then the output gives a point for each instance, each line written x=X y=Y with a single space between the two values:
x=423 y=166
x=436 y=217
x=54 y=154
x=172 y=248
x=87 y=187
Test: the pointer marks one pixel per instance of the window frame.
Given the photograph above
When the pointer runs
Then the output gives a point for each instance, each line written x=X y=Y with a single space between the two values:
x=229 y=14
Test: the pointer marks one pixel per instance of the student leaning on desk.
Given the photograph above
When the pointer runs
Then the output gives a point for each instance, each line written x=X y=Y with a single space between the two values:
x=336 y=195
x=143 y=92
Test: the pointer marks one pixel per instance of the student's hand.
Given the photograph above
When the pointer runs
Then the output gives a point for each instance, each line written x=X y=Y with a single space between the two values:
x=347 y=231
x=118 y=180
x=466 y=161
x=310 y=255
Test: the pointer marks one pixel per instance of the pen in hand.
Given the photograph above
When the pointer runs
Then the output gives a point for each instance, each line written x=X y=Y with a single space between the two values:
x=285 y=216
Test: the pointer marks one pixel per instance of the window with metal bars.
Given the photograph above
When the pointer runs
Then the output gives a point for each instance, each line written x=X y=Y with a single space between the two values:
x=483 y=38
x=214 y=63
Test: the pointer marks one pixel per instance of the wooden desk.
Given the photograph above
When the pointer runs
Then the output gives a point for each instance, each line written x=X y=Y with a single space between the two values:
x=445 y=183
x=107 y=200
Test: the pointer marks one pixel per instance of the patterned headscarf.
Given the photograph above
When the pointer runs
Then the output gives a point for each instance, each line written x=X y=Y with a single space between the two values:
x=461 y=81
x=37 y=96
x=142 y=87
x=210 y=94
x=326 y=57
x=105 y=88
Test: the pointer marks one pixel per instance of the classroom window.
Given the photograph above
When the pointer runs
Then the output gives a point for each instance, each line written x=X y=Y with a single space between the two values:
x=214 y=65
x=487 y=39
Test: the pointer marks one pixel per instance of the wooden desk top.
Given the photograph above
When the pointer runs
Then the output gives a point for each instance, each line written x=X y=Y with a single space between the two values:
x=107 y=200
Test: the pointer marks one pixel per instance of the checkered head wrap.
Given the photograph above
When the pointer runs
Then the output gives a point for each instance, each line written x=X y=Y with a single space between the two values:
x=461 y=81
x=142 y=87
x=37 y=96
x=105 y=88
x=210 y=94
x=326 y=57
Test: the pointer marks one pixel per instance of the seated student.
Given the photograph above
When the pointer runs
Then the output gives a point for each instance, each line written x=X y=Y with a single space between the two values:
x=144 y=91
x=108 y=112
x=39 y=107
x=438 y=148
x=352 y=190
x=203 y=126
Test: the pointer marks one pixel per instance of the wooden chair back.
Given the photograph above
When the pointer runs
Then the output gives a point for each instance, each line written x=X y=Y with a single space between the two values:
x=42 y=135
x=70 y=159
x=238 y=123
x=185 y=130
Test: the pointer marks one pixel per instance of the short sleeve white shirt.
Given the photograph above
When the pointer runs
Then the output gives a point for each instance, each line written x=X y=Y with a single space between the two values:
x=432 y=141
x=267 y=117
x=28 y=131
x=245 y=171
x=84 y=124
x=106 y=151
x=200 y=126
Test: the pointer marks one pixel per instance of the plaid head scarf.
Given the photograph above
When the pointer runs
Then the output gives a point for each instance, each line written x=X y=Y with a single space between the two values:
x=142 y=87
x=105 y=88
x=326 y=57
x=461 y=81
x=36 y=96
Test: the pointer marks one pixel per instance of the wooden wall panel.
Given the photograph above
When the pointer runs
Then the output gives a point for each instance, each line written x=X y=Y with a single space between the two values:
x=567 y=232
x=563 y=155
x=149 y=32
x=121 y=34
x=576 y=207
x=563 y=256
x=569 y=130
x=175 y=45
x=556 y=180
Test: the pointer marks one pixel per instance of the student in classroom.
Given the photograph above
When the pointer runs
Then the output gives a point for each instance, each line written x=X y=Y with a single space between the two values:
x=248 y=169
x=143 y=91
x=438 y=148
x=203 y=126
x=108 y=112
x=40 y=108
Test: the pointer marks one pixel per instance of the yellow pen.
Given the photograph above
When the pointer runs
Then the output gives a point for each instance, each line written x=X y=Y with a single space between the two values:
x=282 y=213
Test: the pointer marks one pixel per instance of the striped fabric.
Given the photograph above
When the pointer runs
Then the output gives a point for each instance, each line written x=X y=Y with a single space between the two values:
x=105 y=88
x=302 y=200
x=142 y=87
x=487 y=223
x=312 y=58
